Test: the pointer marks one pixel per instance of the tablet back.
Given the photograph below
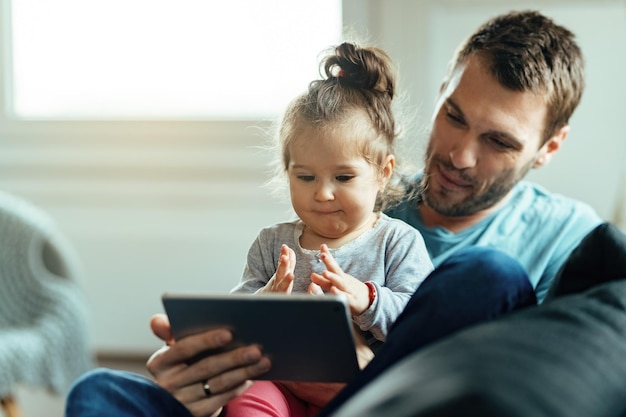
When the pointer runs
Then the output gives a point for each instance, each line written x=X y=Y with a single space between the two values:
x=308 y=338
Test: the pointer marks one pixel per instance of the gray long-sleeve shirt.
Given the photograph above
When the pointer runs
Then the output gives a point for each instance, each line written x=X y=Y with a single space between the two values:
x=392 y=255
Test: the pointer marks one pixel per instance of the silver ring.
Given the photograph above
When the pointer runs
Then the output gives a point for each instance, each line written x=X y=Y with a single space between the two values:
x=206 y=388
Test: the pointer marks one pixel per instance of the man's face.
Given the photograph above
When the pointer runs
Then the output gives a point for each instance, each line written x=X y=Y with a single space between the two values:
x=484 y=139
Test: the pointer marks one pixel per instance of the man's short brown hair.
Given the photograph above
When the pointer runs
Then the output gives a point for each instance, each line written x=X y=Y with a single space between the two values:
x=527 y=51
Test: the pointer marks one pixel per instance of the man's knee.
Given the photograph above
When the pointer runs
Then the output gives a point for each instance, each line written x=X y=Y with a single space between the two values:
x=487 y=274
x=95 y=379
x=486 y=264
x=104 y=392
x=104 y=383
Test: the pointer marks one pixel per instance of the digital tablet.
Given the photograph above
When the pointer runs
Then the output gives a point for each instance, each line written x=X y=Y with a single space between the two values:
x=307 y=338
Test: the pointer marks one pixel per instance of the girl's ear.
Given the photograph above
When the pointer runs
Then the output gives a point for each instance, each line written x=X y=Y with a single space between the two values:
x=387 y=169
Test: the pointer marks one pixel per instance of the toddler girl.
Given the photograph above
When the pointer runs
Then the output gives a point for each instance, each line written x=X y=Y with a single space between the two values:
x=337 y=150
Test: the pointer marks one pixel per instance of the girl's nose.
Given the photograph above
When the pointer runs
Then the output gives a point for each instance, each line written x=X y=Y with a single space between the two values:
x=324 y=192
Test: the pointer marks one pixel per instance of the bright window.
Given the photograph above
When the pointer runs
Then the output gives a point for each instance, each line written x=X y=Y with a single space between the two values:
x=166 y=59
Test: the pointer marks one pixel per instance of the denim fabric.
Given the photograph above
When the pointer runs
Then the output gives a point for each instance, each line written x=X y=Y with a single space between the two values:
x=106 y=392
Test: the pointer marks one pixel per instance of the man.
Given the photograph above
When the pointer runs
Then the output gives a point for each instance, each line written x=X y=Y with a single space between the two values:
x=503 y=109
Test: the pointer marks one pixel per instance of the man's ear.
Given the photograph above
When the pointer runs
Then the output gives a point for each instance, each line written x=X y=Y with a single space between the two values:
x=549 y=148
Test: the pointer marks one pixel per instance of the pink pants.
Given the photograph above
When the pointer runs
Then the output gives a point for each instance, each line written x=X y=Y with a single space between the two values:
x=269 y=399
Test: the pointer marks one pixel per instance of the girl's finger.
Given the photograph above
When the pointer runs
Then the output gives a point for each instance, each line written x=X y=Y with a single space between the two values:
x=321 y=281
x=314 y=289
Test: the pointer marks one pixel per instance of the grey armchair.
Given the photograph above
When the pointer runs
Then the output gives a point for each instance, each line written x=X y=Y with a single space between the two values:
x=44 y=340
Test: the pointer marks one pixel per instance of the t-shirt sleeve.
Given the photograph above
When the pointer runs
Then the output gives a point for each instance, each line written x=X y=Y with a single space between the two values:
x=407 y=264
x=259 y=266
x=582 y=220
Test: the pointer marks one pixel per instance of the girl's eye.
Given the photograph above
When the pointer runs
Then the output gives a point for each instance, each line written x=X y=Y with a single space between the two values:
x=306 y=178
x=344 y=178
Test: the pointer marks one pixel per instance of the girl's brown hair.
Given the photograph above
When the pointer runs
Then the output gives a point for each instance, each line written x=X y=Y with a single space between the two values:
x=356 y=82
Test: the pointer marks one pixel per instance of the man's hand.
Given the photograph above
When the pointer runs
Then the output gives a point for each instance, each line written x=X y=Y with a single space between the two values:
x=227 y=374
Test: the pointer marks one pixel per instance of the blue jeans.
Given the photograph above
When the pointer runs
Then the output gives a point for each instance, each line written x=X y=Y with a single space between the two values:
x=106 y=392
x=472 y=286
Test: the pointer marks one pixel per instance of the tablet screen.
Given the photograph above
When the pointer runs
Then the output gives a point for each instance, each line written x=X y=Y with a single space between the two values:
x=308 y=338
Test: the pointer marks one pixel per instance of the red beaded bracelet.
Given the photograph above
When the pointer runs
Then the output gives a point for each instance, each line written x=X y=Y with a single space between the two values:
x=372 y=293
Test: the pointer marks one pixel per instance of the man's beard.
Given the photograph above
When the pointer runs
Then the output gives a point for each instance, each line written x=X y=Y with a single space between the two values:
x=473 y=203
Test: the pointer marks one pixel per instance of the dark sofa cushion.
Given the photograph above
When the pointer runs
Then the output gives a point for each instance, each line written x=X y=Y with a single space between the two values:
x=600 y=257
x=564 y=358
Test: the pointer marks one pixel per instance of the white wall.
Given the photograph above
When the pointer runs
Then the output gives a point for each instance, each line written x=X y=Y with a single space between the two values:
x=172 y=206
x=150 y=208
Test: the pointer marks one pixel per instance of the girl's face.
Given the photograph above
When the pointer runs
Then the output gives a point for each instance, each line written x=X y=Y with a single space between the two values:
x=333 y=188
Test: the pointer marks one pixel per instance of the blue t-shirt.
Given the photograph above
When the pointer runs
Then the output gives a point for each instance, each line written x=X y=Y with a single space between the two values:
x=536 y=227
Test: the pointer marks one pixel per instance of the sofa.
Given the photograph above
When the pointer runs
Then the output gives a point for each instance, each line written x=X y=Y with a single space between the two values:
x=563 y=358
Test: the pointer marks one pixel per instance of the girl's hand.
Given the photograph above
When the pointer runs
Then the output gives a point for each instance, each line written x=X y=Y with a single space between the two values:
x=282 y=281
x=228 y=373
x=335 y=281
